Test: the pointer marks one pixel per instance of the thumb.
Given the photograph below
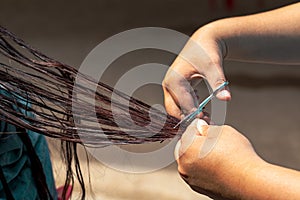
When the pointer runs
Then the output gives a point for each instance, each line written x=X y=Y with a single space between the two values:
x=224 y=94
x=215 y=77
x=197 y=128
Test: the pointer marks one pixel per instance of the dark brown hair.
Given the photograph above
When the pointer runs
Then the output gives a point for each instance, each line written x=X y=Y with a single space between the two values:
x=48 y=86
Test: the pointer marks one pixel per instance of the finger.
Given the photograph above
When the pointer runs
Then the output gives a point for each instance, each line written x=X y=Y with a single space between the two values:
x=197 y=128
x=178 y=84
x=212 y=134
x=202 y=127
x=185 y=98
x=171 y=106
x=206 y=118
x=215 y=79
x=188 y=137
x=224 y=94
x=208 y=64
x=176 y=151
x=180 y=93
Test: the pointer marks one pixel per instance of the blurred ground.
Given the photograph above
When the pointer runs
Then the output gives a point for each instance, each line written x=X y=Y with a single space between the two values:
x=265 y=102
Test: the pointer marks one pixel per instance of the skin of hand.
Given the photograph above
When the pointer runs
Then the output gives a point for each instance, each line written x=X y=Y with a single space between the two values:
x=229 y=168
x=193 y=63
x=219 y=172
x=269 y=37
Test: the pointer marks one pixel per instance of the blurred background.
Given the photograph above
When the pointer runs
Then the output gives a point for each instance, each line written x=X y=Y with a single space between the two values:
x=265 y=102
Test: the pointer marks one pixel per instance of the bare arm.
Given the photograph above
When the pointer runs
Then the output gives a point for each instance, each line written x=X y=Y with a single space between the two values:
x=272 y=36
x=271 y=181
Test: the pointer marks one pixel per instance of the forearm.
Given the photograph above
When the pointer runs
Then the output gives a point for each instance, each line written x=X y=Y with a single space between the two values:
x=269 y=181
x=271 y=37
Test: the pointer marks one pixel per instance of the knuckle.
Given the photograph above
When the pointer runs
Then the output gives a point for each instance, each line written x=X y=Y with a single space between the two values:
x=219 y=81
x=186 y=161
x=165 y=83
x=182 y=171
x=227 y=128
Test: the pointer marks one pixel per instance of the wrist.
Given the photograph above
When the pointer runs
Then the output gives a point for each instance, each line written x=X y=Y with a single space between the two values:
x=268 y=180
x=241 y=185
x=212 y=33
x=248 y=180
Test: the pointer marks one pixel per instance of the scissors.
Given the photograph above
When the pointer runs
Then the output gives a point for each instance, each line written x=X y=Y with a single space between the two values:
x=201 y=106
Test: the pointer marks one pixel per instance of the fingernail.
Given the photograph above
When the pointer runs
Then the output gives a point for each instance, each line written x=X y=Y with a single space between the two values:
x=182 y=116
x=200 y=125
x=224 y=94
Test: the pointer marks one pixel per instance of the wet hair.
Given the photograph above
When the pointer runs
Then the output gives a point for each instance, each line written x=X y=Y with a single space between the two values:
x=62 y=109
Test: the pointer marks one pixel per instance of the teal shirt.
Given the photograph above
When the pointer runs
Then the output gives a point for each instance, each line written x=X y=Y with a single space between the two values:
x=16 y=164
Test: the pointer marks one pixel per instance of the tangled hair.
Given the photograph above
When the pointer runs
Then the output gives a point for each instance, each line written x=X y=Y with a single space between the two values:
x=61 y=110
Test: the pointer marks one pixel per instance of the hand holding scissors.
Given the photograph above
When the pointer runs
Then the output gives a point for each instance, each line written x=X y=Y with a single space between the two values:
x=201 y=106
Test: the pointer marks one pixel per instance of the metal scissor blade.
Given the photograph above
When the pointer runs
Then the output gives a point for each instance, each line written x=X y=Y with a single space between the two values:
x=201 y=105
x=184 y=119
